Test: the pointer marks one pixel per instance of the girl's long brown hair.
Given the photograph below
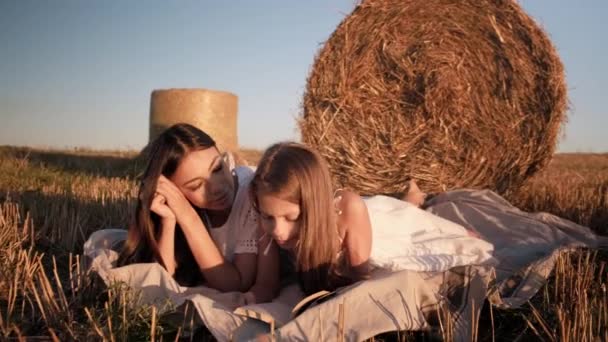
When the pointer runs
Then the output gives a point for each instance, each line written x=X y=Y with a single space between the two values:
x=298 y=174
x=164 y=155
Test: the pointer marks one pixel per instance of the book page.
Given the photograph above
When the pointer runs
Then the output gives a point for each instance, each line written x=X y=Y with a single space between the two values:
x=308 y=301
x=277 y=311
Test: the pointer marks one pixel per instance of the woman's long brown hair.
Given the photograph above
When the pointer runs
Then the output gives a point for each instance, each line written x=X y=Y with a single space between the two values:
x=165 y=154
x=298 y=174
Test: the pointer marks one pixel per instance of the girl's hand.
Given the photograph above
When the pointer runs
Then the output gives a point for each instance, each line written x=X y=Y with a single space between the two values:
x=160 y=207
x=175 y=199
x=249 y=298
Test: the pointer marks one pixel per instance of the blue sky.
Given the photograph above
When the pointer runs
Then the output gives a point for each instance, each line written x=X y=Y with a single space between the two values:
x=79 y=72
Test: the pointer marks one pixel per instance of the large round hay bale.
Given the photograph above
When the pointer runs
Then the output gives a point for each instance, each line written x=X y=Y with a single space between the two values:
x=453 y=93
x=215 y=112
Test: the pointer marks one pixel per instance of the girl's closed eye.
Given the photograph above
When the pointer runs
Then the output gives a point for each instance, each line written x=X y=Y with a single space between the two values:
x=293 y=218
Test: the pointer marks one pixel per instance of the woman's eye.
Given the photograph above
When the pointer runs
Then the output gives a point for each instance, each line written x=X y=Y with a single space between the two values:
x=218 y=168
x=196 y=186
x=265 y=217
x=293 y=219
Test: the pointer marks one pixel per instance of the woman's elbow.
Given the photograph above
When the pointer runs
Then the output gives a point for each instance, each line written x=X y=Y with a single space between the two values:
x=246 y=279
x=244 y=287
x=268 y=293
x=169 y=267
x=227 y=281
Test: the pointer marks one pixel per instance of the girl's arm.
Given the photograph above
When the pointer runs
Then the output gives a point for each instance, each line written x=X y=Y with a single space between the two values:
x=218 y=273
x=356 y=228
x=267 y=280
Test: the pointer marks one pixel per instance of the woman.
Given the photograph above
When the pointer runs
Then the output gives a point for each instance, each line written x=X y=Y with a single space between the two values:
x=194 y=217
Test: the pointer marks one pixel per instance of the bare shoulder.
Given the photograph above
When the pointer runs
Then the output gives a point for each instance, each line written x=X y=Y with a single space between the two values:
x=354 y=227
x=351 y=206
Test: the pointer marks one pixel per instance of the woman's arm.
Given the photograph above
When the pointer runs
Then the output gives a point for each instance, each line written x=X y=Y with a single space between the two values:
x=218 y=273
x=166 y=245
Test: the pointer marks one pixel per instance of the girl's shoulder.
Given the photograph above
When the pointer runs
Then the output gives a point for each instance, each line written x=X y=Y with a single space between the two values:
x=350 y=206
x=348 y=200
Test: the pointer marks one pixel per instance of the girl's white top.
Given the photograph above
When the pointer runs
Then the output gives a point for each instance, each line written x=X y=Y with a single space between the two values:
x=405 y=237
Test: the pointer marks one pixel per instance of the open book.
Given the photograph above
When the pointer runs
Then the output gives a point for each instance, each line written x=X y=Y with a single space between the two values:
x=288 y=305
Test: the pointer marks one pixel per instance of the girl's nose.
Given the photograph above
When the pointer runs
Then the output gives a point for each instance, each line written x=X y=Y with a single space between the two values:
x=278 y=228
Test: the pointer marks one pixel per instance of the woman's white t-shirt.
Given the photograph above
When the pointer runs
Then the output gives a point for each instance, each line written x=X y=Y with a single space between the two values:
x=238 y=234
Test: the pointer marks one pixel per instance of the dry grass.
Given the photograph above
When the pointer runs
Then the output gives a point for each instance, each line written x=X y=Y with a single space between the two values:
x=50 y=201
x=451 y=93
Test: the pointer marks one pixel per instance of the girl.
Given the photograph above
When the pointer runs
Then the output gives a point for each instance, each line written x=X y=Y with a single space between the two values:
x=194 y=217
x=334 y=237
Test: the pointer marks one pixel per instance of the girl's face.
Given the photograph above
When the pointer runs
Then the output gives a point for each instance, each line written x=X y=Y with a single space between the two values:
x=204 y=178
x=280 y=219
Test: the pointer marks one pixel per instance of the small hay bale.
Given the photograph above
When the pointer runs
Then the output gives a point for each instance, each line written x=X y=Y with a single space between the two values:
x=215 y=112
x=452 y=93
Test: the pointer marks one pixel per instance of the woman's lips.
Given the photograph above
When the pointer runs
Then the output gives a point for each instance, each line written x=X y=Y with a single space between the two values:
x=221 y=200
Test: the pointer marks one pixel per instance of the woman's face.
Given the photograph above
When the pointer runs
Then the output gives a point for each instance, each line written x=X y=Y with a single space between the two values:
x=280 y=219
x=205 y=180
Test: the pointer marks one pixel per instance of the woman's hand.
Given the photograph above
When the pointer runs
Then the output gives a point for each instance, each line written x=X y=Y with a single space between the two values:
x=160 y=207
x=175 y=200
